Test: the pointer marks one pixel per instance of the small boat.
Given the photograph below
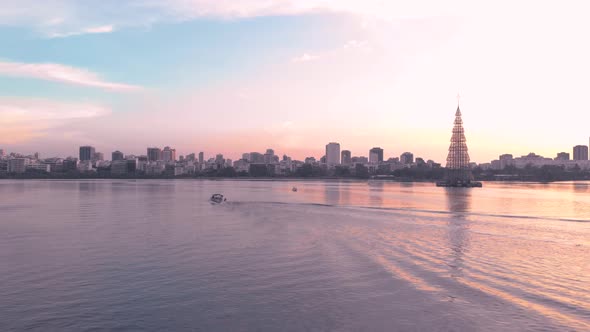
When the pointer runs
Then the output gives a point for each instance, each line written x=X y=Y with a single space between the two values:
x=294 y=189
x=217 y=198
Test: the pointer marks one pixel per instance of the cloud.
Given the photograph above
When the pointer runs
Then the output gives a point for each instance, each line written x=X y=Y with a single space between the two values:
x=305 y=58
x=61 y=73
x=23 y=119
x=91 y=30
x=63 y=18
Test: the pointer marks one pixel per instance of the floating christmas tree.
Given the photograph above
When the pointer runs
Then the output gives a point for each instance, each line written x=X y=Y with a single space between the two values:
x=458 y=170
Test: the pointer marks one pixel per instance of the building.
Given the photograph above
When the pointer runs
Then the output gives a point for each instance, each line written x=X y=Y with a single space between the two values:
x=345 y=157
x=98 y=156
x=2 y=153
x=154 y=154
x=506 y=160
x=580 y=152
x=256 y=158
x=332 y=154
x=87 y=153
x=563 y=156
x=69 y=165
x=376 y=155
x=85 y=166
x=117 y=155
x=360 y=160
x=39 y=167
x=169 y=154
x=407 y=158
x=17 y=165
x=126 y=166
x=201 y=157
x=269 y=156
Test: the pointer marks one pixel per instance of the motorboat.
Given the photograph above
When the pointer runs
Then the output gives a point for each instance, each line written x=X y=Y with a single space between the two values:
x=217 y=198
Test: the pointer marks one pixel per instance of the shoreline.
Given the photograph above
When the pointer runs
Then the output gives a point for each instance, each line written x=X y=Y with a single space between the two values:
x=282 y=179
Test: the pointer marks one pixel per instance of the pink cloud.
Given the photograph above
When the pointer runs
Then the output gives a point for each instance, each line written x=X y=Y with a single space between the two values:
x=27 y=118
x=61 y=73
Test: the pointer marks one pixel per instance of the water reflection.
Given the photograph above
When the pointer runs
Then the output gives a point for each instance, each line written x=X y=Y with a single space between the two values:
x=332 y=193
x=458 y=203
x=580 y=187
x=376 y=191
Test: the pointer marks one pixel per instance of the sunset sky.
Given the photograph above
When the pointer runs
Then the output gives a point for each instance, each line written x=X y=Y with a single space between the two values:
x=233 y=76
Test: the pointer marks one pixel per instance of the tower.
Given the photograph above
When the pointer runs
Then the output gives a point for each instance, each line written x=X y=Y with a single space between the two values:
x=333 y=154
x=458 y=171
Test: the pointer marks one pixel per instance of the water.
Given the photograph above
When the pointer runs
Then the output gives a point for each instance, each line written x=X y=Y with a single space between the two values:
x=345 y=256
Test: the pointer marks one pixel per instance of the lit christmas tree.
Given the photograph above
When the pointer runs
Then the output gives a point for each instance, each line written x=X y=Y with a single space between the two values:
x=458 y=171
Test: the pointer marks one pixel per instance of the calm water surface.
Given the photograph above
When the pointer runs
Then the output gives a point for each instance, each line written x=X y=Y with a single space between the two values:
x=346 y=256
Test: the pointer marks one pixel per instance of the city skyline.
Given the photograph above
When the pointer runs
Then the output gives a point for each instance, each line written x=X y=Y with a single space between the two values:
x=233 y=76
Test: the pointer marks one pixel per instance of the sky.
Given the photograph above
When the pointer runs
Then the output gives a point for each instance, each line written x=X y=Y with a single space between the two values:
x=235 y=76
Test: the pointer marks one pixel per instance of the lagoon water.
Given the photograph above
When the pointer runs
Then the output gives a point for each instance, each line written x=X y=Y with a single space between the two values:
x=155 y=255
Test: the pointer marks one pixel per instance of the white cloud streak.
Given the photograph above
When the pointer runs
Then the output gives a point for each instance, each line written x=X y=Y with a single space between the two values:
x=92 y=30
x=61 y=73
x=63 y=18
x=305 y=58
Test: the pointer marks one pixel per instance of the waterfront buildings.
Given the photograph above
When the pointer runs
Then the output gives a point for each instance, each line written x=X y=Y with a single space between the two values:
x=376 y=155
x=154 y=154
x=17 y=165
x=98 y=156
x=332 y=154
x=580 y=152
x=563 y=156
x=117 y=155
x=87 y=153
x=168 y=154
x=407 y=158
x=345 y=157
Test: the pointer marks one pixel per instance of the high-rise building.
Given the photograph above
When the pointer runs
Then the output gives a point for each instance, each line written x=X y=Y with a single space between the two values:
x=169 y=154
x=580 y=152
x=376 y=155
x=345 y=157
x=407 y=158
x=87 y=153
x=1 y=153
x=269 y=156
x=332 y=154
x=256 y=158
x=17 y=165
x=506 y=160
x=98 y=156
x=563 y=156
x=201 y=157
x=154 y=154
x=117 y=155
